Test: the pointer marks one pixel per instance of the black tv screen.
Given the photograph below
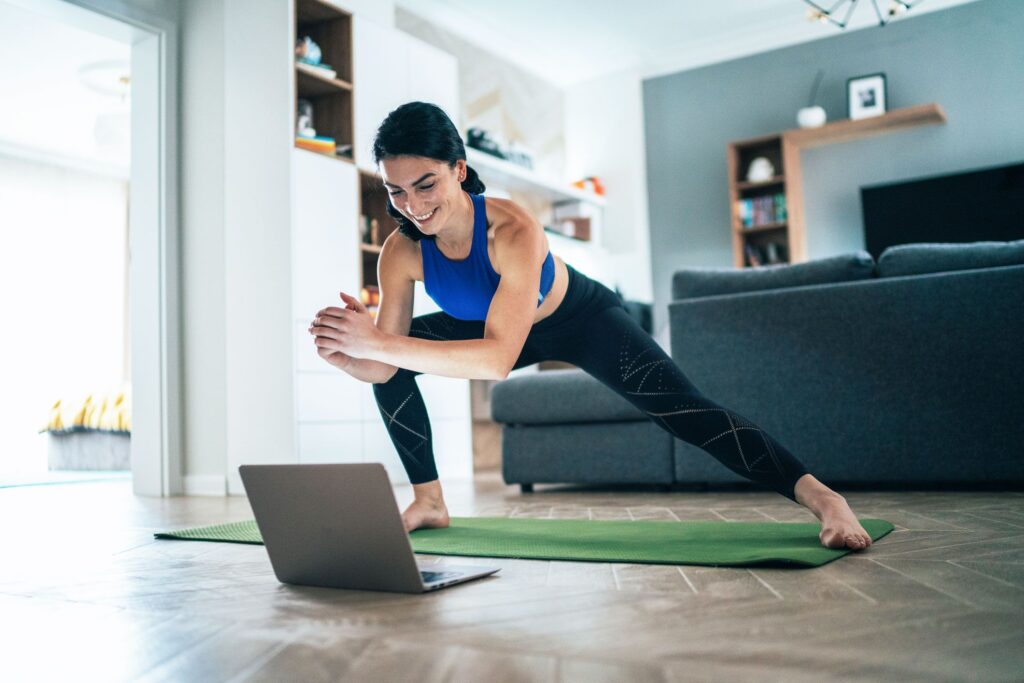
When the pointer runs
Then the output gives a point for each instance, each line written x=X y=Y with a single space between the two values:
x=977 y=205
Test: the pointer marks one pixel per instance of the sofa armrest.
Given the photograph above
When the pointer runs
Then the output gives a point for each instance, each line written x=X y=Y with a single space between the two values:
x=558 y=396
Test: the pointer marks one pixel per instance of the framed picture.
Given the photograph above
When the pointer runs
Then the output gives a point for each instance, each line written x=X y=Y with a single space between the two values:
x=866 y=96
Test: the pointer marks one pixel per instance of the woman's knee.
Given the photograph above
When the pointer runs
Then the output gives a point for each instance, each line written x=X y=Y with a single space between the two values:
x=398 y=377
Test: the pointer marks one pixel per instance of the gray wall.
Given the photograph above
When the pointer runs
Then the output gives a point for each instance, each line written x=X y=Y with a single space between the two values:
x=969 y=59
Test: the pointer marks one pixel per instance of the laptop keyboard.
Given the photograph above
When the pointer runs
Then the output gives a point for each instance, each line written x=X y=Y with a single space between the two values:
x=430 y=577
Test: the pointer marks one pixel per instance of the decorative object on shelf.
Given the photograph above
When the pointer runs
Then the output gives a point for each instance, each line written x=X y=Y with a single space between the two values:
x=828 y=16
x=590 y=184
x=775 y=252
x=812 y=116
x=767 y=254
x=369 y=229
x=495 y=145
x=307 y=51
x=866 y=96
x=369 y=295
x=760 y=170
x=304 y=119
x=480 y=139
x=574 y=219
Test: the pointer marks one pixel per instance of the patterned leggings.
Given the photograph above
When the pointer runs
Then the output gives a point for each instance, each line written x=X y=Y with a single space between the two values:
x=592 y=331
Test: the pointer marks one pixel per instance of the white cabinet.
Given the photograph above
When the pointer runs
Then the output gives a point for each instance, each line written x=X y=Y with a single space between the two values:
x=325 y=244
x=390 y=68
x=336 y=416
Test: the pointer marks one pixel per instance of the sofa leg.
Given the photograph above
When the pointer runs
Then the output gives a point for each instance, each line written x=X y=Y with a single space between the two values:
x=526 y=488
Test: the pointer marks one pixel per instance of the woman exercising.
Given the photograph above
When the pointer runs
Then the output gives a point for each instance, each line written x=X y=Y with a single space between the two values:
x=508 y=302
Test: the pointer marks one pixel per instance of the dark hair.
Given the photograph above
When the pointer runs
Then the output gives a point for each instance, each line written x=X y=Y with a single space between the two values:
x=424 y=130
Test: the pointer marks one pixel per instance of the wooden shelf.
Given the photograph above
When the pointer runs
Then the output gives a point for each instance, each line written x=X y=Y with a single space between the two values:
x=513 y=177
x=847 y=129
x=762 y=228
x=370 y=248
x=312 y=83
x=783 y=150
x=753 y=185
x=340 y=157
x=314 y=11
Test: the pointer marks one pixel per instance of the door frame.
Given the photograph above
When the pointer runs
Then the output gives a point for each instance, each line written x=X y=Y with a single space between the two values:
x=154 y=270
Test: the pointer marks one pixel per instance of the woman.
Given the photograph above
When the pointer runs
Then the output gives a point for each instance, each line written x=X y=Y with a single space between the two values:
x=508 y=302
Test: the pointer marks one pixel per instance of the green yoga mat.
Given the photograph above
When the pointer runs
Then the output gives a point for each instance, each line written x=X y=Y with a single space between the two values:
x=646 y=542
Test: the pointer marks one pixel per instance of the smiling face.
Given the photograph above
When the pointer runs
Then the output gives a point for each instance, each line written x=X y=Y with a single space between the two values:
x=426 y=191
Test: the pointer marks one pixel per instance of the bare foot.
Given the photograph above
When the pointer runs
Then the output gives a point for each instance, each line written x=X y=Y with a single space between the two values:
x=839 y=526
x=425 y=513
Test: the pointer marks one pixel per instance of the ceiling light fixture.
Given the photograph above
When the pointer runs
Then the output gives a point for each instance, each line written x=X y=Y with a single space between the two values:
x=825 y=16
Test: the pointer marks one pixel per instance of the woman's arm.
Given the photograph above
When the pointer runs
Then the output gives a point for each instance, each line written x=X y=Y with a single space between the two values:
x=520 y=252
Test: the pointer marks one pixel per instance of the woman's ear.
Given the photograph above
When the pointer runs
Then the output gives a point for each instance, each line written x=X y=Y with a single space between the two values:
x=460 y=170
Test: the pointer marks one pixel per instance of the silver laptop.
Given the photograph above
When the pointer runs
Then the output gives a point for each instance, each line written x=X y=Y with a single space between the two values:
x=339 y=526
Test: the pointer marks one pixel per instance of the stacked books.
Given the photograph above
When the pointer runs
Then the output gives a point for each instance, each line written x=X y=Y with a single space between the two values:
x=319 y=143
x=762 y=210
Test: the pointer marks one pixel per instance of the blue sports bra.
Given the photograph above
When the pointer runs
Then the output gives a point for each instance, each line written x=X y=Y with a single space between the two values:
x=464 y=289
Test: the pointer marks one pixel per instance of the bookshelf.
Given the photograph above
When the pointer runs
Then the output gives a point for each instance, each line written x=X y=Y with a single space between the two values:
x=329 y=93
x=775 y=231
x=375 y=224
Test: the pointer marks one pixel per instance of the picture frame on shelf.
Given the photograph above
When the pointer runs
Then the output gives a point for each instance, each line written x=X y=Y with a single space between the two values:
x=866 y=96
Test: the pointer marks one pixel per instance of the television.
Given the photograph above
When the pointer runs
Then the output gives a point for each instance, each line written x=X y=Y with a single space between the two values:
x=977 y=205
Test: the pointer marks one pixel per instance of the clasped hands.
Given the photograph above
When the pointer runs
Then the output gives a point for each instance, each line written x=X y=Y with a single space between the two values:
x=341 y=334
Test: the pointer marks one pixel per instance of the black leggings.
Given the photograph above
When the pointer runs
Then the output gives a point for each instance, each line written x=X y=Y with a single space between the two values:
x=591 y=330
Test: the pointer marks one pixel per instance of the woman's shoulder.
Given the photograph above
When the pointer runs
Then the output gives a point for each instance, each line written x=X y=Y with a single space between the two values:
x=507 y=216
x=401 y=255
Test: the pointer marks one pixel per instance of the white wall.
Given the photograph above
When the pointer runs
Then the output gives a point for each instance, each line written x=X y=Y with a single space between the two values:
x=236 y=140
x=604 y=137
x=380 y=12
x=204 y=329
x=258 y=102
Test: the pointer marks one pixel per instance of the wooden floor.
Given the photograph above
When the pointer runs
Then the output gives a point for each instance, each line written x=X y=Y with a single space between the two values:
x=86 y=593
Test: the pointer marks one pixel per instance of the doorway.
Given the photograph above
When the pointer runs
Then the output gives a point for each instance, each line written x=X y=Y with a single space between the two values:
x=88 y=166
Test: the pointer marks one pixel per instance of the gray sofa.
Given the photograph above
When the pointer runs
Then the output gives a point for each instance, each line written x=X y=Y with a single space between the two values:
x=904 y=373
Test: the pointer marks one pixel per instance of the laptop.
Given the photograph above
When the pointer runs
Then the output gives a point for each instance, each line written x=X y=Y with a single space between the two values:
x=339 y=526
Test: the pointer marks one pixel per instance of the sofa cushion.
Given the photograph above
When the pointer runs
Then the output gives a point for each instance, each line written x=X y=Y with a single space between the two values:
x=917 y=259
x=691 y=283
x=558 y=396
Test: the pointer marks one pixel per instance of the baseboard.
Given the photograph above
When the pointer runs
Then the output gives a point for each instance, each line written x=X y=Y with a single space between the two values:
x=205 y=485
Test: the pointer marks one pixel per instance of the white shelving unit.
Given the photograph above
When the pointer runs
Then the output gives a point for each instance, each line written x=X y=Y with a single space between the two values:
x=513 y=177
x=336 y=415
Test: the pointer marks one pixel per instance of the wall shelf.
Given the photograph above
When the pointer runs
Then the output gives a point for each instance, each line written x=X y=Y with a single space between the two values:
x=846 y=129
x=310 y=82
x=513 y=177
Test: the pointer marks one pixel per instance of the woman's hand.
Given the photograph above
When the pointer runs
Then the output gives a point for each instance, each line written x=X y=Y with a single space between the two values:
x=349 y=332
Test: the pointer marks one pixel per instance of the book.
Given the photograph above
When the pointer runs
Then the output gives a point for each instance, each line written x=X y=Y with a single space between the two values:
x=325 y=145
